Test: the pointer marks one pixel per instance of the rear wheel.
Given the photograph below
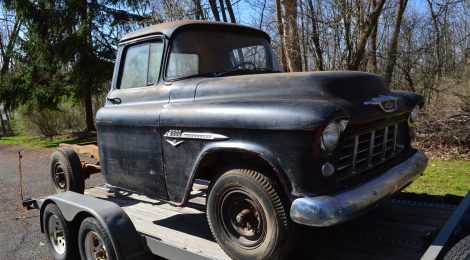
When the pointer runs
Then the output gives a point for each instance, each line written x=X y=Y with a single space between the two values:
x=66 y=171
x=247 y=216
x=94 y=242
x=58 y=236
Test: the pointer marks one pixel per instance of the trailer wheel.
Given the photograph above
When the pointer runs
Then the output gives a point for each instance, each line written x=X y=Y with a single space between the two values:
x=66 y=171
x=460 y=251
x=247 y=216
x=58 y=236
x=94 y=242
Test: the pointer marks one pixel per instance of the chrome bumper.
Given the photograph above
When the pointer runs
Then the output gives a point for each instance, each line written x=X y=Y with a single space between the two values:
x=328 y=210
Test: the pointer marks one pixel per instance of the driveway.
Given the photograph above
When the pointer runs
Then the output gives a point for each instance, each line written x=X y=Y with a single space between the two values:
x=20 y=233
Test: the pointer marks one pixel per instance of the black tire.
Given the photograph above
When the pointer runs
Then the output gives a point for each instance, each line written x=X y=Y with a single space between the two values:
x=247 y=217
x=61 y=241
x=460 y=251
x=66 y=171
x=92 y=232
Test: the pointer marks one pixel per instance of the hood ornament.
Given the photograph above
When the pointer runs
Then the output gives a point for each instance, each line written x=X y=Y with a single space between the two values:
x=386 y=103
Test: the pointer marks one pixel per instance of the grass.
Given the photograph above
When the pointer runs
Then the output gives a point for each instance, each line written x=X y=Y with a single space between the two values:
x=443 y=177
x=41 y=142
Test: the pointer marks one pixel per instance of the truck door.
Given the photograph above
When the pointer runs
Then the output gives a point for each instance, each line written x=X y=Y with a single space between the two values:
x=128 y=134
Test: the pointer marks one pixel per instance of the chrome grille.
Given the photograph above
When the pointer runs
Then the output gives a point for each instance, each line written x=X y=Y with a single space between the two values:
x=368 y=149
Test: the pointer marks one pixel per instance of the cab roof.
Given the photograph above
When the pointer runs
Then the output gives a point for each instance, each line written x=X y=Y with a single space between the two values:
x=169 y=29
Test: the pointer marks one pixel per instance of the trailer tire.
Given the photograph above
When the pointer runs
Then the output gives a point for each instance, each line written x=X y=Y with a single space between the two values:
x=93 y=239
x=247 y=216
x=460 y=251
x=61 y=242
x=66 y=171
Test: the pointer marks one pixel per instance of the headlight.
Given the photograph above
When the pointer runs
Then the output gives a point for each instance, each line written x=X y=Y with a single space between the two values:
x=414 y=114
x=330 y=136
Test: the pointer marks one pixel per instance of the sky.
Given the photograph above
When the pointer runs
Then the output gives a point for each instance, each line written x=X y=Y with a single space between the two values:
x=245 y=12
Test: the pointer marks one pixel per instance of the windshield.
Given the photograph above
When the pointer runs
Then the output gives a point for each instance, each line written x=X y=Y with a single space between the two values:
x=215 y=53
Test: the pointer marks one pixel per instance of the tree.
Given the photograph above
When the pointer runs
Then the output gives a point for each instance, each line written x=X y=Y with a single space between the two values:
x=10 y=26
x=280 y=30
x=392 y=52
x=373 y=45
x=369 y=25
x=230 y=11
x=71 y=45
x=315 y=37
x=199 y=14
x=291 y=40
x=214 y=9
x=222 y=10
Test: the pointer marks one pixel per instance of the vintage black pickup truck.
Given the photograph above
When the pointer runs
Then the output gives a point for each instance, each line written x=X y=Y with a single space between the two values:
x=209 y=101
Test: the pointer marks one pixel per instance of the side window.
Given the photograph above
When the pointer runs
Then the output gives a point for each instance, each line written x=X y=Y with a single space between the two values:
x=155 y=62
x=142 y=64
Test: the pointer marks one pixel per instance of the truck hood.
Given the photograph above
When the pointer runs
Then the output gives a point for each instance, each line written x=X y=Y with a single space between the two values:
x=348 y=85
x=347 y=89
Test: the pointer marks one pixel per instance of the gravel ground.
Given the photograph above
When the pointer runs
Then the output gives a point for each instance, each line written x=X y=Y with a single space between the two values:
x=20 y=233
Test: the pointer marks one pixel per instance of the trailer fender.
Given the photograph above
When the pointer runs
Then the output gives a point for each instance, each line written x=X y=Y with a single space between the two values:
x=127 y=242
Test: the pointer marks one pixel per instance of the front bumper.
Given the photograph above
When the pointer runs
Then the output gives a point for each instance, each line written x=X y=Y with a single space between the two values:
x=328 y=210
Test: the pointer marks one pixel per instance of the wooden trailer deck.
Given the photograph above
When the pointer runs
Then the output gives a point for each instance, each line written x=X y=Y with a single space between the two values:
x=185 y=228
x=402 y=228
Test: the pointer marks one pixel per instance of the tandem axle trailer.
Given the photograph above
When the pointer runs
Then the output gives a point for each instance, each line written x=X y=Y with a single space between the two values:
x=408 y=226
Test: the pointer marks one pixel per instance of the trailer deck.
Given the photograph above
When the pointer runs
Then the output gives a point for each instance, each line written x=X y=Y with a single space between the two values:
x=183 y=228
x=401 y=228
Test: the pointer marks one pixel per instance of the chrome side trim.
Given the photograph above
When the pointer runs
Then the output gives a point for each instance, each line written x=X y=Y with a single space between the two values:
x=328 y=210
x=177 y=134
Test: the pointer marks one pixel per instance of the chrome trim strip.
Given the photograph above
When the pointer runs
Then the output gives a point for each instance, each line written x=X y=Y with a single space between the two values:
x=395 y=135
x=177 y=134
x=356 y=141
x=328 y=210
x=384 y=146
x=371 y=147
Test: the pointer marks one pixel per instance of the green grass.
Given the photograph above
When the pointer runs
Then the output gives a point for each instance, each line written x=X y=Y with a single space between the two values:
x=41 y=142
x=443 y=177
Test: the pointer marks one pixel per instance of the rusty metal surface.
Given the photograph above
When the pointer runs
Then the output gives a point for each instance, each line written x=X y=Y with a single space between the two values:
x=169 y=28
x=90 y=149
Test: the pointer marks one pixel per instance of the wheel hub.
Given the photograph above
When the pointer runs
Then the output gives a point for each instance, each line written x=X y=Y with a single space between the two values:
x=56 y=235
x=243 y=218
x=59 y=177
x=94 y=247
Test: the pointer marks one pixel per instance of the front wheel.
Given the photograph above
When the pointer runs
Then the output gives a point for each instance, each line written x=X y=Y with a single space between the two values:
x=460 y=251
x=247 y=216
x=58 y=236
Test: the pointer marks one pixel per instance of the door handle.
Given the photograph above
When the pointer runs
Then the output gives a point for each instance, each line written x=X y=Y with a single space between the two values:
x=114 y=100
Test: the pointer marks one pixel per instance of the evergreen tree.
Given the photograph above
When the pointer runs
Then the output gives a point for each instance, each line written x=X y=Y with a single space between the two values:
x=69 y=48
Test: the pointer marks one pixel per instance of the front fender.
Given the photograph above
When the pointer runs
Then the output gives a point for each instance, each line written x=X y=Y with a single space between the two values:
x=250 y=148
